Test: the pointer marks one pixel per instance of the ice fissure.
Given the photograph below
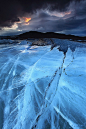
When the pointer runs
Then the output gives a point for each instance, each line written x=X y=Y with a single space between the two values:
x=44 y=106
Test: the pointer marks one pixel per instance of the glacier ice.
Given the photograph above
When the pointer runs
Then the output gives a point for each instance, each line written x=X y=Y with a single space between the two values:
x=42 y=88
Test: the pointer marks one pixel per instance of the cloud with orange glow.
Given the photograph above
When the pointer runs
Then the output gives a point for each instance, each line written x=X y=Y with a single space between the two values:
x=67 y=13
x=26 y=19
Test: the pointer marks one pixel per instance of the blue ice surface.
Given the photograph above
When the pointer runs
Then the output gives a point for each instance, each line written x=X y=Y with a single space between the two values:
x=42 y=88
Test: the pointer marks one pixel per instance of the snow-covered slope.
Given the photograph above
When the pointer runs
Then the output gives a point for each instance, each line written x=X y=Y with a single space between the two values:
x=42 y=88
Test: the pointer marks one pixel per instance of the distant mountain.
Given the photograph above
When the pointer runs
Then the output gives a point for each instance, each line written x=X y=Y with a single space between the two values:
x=35 y=34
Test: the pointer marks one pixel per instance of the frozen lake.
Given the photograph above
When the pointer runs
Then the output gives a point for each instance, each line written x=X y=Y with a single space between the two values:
x=42 y=88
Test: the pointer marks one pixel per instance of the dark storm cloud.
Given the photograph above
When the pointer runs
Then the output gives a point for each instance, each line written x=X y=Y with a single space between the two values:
x=33 y=5
x=11 y=10
x=8 y=12
x=76 y=19
x=72 y=23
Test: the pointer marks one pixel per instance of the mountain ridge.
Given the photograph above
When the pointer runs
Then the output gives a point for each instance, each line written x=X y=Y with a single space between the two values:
x=35 y=34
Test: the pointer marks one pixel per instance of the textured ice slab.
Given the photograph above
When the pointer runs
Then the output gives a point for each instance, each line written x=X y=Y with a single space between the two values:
x=42 y=88
x=7 y=41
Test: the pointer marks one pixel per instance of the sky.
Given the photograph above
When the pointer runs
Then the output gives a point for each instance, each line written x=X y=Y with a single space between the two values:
x=60 y=16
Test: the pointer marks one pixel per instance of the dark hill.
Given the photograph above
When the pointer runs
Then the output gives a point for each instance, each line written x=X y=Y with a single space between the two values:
x=35 y=34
